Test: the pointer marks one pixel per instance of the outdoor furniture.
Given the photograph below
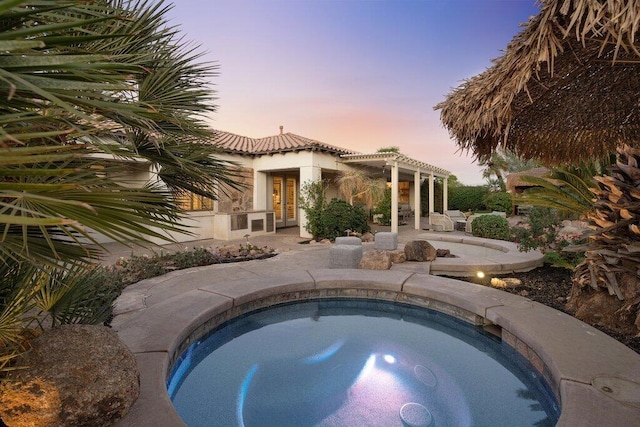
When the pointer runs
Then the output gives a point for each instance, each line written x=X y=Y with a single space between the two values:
x=440 y=222
x=404 y=212
x=386 y=240
x=345 y=256
x=458 y=218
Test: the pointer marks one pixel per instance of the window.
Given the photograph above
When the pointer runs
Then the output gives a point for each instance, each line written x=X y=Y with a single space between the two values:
x=194 y=202
x=403 y=191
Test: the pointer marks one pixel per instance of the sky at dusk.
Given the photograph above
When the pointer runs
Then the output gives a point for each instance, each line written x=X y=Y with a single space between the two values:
x=359 y=74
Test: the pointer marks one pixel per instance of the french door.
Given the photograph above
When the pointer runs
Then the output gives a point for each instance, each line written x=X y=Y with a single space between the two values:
x=285 y=200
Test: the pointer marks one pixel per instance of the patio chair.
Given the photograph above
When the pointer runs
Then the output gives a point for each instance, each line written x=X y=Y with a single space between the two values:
x=458 y=218
x=440 y=222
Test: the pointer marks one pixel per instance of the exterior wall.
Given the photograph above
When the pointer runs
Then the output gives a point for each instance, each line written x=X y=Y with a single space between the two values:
x=236 y=200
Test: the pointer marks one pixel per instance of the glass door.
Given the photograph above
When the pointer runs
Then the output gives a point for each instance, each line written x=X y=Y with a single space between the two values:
x=292 y=217
x=285 y=200
x=278 y=195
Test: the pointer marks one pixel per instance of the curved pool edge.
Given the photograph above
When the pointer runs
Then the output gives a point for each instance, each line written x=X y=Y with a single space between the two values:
x=575 y=358
x=509 y=259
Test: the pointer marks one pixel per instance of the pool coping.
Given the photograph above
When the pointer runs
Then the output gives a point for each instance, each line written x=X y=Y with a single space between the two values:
x=596 y=378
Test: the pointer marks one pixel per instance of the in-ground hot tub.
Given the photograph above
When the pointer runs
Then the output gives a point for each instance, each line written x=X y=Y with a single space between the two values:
x=595 y=378
x=356 y=362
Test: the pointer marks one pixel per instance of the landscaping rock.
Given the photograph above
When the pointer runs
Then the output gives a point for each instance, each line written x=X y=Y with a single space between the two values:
x=505 y=282
x=76 y=375
x=419 y=250
x=229 y=251
x=367 y=237
x=376 y=260
x=397 y=256
x=443 y=253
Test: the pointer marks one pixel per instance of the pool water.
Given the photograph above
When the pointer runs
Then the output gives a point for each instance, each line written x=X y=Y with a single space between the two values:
x=355 y=363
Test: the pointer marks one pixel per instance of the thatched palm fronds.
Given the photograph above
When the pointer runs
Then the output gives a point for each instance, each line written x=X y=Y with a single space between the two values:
x=565 y=90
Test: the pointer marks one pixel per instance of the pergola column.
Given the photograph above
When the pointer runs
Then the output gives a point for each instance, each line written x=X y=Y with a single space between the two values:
x=307 y=174
x=430 y=196
x=394 y=197
x=260 y=191
x=445 y=194
x=416 y=199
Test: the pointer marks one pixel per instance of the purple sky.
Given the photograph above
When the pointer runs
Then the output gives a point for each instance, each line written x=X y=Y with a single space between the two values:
x=359 y=74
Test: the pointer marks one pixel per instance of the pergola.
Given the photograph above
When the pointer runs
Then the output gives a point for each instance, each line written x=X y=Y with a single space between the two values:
x=407 y=168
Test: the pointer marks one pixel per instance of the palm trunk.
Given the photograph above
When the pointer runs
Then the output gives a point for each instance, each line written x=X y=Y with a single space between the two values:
x=606 y=288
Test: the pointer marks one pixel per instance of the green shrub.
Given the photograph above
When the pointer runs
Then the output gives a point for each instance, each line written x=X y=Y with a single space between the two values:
x=340 y=216
x=424 y=198
x=468 y=198
x=542 y=234
x=195 y=257
x=313 y=203
x=384 y=208
x=500 y=202
x=491 y=227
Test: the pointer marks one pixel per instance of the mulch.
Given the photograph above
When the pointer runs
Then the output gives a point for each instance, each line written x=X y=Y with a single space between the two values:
x=551 y=286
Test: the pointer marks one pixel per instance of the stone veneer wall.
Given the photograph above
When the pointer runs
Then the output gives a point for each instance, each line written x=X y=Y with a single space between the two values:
x=238 y=200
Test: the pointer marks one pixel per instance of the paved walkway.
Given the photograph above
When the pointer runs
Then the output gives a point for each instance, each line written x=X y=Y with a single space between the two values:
x=159 y=316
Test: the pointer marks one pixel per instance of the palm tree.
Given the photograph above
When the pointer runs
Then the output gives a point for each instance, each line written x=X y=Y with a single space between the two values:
x=569 y=189
x=86 y=87
x=500 y=163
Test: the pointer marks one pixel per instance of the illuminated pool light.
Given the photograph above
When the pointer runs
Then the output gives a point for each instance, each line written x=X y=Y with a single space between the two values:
x=389 y=359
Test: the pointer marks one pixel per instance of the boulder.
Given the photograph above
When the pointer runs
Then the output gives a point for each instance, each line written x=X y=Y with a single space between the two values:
x=443 y=253
x=367 y=237
x=505 y=282
x=75 y=375
x=419 y=250
x=375 y=260
x=397 y=256
x=229 y=251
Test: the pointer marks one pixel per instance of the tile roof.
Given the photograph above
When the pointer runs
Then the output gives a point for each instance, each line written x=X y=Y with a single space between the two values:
x=284 y=142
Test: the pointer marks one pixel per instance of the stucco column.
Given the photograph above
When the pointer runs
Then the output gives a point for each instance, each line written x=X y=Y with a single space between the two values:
x=260 y=191
x=431 y=192
x=394 y=197
x=307 y=174
x=416 y=199
x=445 y=194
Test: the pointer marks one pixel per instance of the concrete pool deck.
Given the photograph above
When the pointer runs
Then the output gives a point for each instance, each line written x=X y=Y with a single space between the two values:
x=596 y=378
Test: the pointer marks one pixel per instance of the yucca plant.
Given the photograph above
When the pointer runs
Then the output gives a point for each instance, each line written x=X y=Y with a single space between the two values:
x=88 y=87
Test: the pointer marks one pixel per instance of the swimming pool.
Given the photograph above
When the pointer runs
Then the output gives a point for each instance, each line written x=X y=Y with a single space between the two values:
x=355 y=362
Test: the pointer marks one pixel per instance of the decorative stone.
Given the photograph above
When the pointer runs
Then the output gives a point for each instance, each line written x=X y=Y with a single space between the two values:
x=76 y=375
x=443 y=253
x=506 y=282
x=229 y=251
x=419 y=250
x=397 y=256
x=376 y=260
x=386 y=240
x=345 y=256
x=367 y=237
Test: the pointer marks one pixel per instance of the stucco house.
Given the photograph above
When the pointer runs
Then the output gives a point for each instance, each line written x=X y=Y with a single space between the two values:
x=273 y=170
